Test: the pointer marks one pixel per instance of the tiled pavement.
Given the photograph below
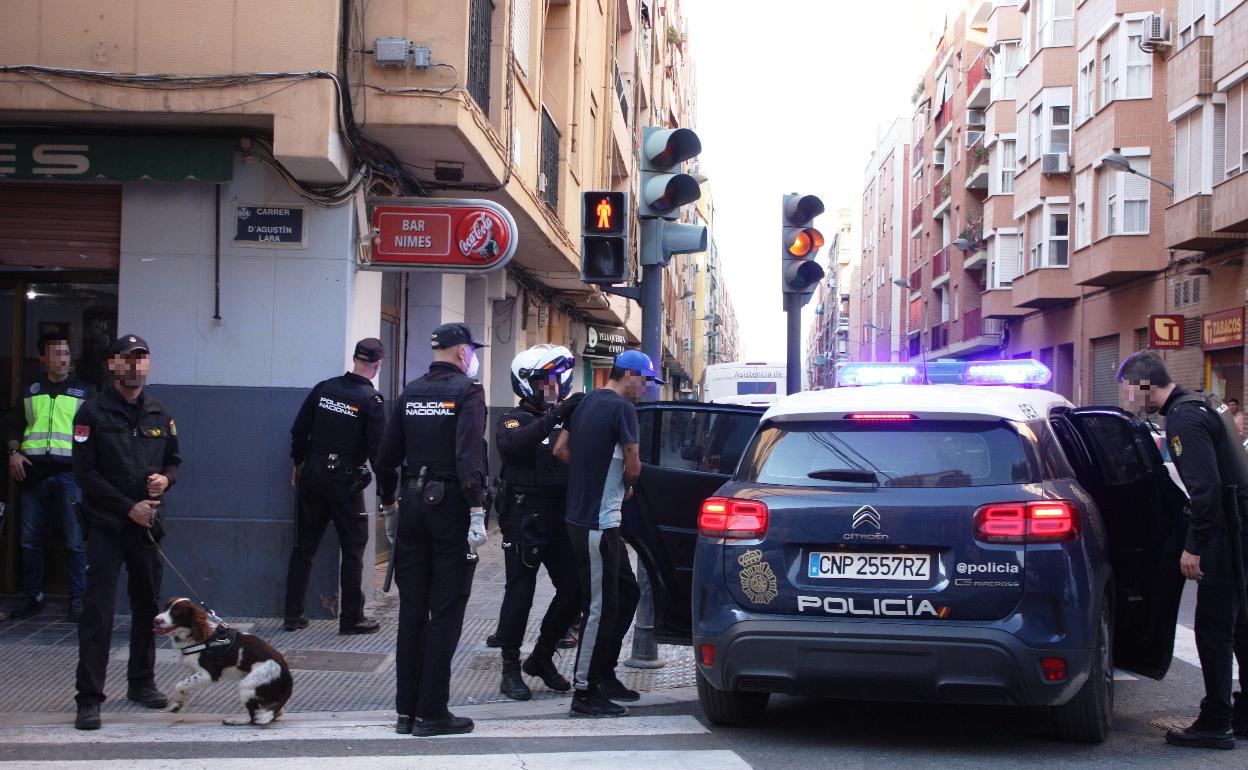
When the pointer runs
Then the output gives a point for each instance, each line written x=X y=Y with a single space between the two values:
x=332 y=673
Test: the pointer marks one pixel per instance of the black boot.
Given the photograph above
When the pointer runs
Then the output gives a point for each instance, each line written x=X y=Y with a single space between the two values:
x=513 y=685
x=541 y=664
x=1239 y=715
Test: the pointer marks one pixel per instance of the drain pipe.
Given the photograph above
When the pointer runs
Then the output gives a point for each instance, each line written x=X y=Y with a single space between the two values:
x=216 y=258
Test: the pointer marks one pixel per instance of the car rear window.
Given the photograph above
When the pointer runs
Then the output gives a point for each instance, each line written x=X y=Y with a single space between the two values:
x=923 y=453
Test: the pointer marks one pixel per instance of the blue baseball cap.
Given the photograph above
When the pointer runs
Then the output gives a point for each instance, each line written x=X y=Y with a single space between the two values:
x=638 y=363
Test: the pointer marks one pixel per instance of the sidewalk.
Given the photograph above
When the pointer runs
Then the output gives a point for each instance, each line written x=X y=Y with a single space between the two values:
x=332 y=673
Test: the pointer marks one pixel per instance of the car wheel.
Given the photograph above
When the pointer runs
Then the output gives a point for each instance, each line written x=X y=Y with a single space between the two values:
x=728 y=708
x=1088 y=717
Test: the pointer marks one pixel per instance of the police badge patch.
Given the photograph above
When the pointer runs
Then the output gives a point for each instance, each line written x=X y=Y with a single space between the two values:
x=1176 y=446
x=511 y=424
x=757 y=580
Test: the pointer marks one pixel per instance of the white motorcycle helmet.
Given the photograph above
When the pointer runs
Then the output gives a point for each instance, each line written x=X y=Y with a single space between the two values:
x=538 y=363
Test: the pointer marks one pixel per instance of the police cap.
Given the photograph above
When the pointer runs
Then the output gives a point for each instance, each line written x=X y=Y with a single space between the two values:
x=370 y=350
x=450 y=335
x=127 y=344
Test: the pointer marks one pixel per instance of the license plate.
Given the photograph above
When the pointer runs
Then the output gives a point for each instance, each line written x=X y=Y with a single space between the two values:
x=870 y=566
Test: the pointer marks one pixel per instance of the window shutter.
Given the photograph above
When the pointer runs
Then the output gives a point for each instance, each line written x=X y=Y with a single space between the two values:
x=1135 y=196
x=1181 y=149
x=521 y=33
x=1219 y=142
x=916 y=312
x=1007 y=259
x=1195 y=163
x=1234 y=128
x=1104 y=181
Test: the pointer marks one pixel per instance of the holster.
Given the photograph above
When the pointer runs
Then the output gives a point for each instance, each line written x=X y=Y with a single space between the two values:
x=361 y=477
x=500 y=497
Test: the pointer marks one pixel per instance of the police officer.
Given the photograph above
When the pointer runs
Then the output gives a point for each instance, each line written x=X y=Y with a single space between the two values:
x=125 y=458
x=41 y=461
x=1206 y=449
x=338 y=429
x=531 y=515
x=437 y=432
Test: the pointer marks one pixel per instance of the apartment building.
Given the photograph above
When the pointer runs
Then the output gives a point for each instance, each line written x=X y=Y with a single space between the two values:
x=715 y=336
x=124 y=198
x=834 y=332
x=885 y=239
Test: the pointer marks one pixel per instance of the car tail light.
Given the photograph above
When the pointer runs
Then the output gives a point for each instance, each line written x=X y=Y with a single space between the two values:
x=1038 y=521
x=1054 y=669
x=707 y=654
x=880 y=416
x=733 y=518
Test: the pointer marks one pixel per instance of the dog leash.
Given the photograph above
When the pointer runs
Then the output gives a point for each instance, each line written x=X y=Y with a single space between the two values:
x=212 y=614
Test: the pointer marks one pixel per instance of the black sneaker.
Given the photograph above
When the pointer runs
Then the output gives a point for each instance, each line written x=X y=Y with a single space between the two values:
x=75 y=610
x=403 y=726
x=569 y=640
x=447 y=725
x=362 y=626
x=1197 y=737
x=148 y=696
x=614 y=689
x=295 y=624
x=588 y=703
x=544 y=668
x=493 y=641
x=30 y=608
x=88 y=717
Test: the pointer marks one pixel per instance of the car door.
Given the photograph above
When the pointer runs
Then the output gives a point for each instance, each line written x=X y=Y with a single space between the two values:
x=1117 y=462
x=688 y=451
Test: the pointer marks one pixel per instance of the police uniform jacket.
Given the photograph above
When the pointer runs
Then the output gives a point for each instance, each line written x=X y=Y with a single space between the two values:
x=438 y=423
x=526 y=439
x=344 y=416
x=117 y=445
x=1209 y=458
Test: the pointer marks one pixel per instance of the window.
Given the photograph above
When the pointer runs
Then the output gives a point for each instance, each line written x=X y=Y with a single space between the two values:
x=1187 y=293
x=1037 y=131
x=1005 y=66
x=1125 y=202
x=1055 y=22
x=522 y=33
x=1059 y=128
x=1087 y=91
x=1139 y=80
x=1189 y=164
x=1003 y=267
x=1235 y=130
x=1126 y=70
x=708 y=442
x=1057 y=253
x=1035 y=255
x=1109 y=77
x=1005 y=149
x=1083 y=209
x=1191 y=22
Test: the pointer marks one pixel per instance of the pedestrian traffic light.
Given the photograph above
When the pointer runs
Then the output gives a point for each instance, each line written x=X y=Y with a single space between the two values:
x=800 y=273
x=664 y=189
x=604 y=237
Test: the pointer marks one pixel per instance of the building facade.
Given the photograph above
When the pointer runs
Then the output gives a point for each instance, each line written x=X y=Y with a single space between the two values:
x=880 y=301
x=834 y=332
x=220 y=208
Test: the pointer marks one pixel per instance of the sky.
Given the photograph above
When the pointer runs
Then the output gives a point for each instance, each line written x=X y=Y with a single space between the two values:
x=790 y=97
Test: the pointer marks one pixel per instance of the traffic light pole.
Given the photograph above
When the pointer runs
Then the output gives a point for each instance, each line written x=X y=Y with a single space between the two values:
x=793 y=359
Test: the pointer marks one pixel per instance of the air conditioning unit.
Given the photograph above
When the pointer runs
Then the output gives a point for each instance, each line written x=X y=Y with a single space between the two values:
x=938 y=157
x=1055 y=163
x=1156 y=32
x=975 y=117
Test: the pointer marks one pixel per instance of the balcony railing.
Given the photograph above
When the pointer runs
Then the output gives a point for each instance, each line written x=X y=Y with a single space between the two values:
x=942 y=117
x=940 y=336
x=976 y=74
x=916 y=154
x=549 y=163
x=916 y=216
x=975 y=325
x=940 y=192
x=916 y=279
x=479 y=44
x=940 y=263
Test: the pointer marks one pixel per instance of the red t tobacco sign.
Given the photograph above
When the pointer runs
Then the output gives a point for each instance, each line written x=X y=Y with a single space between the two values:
x=441 y=234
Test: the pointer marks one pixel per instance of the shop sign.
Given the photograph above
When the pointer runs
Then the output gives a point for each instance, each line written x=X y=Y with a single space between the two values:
x=1165 y=332
x=604 y=341
x=270 y=225
x=440 y=235
x=1222 y=330
x=121 y=158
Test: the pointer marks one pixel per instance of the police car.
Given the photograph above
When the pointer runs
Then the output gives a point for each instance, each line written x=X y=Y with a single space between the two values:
x=967 y=542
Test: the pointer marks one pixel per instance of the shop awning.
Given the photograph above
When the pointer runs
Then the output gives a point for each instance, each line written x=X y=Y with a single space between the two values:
x=119 y=158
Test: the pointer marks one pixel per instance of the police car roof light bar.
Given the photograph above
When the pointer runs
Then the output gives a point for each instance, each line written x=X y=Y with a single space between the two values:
x=856 y=374
x=1022 y=372
x=1026 y=371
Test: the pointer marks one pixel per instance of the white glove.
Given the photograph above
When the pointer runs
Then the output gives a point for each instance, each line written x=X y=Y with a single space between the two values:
x=391 y=516
x=476 y=529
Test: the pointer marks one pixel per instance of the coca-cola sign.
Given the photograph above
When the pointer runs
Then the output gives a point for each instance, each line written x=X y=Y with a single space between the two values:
x=440 y=234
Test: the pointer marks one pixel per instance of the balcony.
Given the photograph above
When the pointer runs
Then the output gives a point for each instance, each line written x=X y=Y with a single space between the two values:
x=941 y=197
x=1044 y=287
x=977 y=167
x=942 y=123
x=1232 y=31
x=999 y=303
x=1189 y=73
x=977 y=335
x=916 y=281
x=1115 y=259
x=940 y=267
x=916 y=155
x=940 y=337
x=977 y=84
x=1189 y=225
x=916 y=216
x=1230 y=201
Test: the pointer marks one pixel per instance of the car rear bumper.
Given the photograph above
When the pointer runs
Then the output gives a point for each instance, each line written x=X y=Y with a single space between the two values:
x=872 y=660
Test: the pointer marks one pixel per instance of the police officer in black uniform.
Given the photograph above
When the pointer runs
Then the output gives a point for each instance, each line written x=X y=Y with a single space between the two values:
x=337 y=431
x=1205 y=445
x=125 y=458
x=531 y=514
x=437 y=432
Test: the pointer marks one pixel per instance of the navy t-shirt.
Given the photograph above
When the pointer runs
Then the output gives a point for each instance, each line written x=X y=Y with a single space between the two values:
x=601 y=423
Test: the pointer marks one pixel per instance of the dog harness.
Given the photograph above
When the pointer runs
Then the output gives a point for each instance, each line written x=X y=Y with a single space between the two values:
x=219 y=644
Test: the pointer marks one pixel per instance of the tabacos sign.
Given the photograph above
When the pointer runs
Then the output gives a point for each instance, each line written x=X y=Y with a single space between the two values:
x=440 y=235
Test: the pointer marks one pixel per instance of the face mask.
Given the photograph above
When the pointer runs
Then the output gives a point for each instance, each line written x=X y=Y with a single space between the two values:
x=472 y=364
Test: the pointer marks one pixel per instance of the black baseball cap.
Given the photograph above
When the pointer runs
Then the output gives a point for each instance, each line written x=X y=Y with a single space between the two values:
x=127 y=344
x=370 y=350
x=450 y=335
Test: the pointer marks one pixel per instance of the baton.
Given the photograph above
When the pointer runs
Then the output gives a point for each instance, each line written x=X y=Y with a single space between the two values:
x=1234 y=528
x=385 y=587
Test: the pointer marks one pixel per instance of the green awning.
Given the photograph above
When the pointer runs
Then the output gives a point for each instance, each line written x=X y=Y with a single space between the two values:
x=120 y=158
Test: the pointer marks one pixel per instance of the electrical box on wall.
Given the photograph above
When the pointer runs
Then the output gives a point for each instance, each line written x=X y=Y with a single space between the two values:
x=391 y=51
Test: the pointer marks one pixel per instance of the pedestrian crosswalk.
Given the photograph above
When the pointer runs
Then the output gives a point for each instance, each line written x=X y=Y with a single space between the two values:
x=679 y=742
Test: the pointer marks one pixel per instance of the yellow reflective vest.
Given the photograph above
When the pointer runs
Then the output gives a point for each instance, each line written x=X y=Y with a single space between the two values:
x=50 y=414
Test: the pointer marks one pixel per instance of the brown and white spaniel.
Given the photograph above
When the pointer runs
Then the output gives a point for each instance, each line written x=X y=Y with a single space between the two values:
x=214 y=652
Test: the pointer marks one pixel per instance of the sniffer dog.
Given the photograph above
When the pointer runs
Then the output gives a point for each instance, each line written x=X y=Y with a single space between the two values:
x=215 y=652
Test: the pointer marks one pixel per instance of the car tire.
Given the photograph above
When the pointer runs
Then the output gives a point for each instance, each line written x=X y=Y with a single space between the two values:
x=1089 y=716
x=726 y=708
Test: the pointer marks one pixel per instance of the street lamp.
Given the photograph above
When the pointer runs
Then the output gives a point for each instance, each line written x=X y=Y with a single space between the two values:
x=1120 y=162
x=962 y=244
x=903 y=283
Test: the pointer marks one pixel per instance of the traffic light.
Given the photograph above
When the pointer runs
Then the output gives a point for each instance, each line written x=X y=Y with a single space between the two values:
x=604 y=237
x=661 y=239
x=664 y=189
x=800 y=273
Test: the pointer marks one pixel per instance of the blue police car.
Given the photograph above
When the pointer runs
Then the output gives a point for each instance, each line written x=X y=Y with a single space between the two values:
x=948 y=543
